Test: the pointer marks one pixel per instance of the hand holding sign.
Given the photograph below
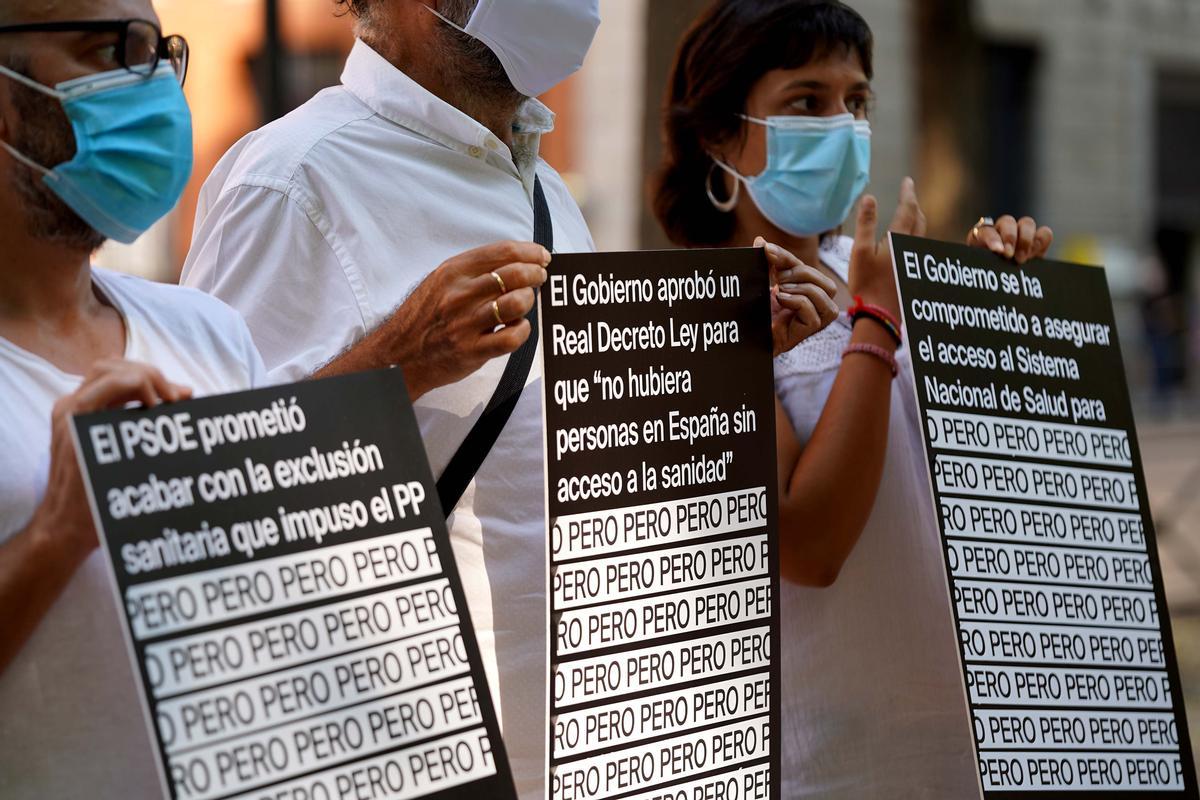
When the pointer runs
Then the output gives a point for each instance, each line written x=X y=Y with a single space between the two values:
x=468 y=311
x=61 y=534
x=1020 y=241
x=448 y=326
x=802 y=299
x=112 y=383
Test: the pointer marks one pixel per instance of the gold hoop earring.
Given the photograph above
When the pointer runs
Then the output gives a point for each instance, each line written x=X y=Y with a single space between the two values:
x=724 y=206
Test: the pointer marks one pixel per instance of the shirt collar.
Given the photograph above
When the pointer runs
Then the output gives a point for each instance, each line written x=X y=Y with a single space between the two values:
x=398 y=98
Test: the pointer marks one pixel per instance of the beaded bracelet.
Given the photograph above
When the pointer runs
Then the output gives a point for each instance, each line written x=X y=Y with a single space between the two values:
x=877 y=352
x=879 y=315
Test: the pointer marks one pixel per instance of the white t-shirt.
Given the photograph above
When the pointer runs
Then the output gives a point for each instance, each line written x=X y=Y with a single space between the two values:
x=318 y=226
x=873 y=699
x=71 y=725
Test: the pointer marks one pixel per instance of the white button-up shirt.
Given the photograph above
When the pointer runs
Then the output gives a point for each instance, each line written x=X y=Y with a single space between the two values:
x=320 y=224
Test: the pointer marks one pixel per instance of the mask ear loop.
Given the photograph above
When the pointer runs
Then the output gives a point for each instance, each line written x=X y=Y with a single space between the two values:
x=446 y=20
x=724 y=206
x=31 y=83
x=37 y=87
x=24 y=159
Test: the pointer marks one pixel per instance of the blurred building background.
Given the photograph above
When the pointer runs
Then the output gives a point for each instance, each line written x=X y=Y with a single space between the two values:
x=1082 y=113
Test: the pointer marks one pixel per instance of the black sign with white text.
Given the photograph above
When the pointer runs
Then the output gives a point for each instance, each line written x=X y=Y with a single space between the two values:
x=661 y=506
x=1067 y=653
x=292 y=605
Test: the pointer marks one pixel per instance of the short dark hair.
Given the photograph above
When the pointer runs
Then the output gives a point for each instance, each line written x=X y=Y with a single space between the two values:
x=728 y=49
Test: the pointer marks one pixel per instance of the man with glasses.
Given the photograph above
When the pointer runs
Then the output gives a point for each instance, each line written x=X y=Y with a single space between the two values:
x=95 y=143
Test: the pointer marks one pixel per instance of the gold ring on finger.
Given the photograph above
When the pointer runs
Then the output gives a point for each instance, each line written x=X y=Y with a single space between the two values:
x=984 y=222
x=500 y=283
x=496 y=311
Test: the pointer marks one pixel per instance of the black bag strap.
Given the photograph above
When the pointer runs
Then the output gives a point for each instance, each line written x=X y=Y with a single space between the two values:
x=479 y=442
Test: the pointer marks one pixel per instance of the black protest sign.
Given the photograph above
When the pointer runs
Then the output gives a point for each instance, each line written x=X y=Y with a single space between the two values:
x=1066 y=646
x=661 y=492
x=292 y=605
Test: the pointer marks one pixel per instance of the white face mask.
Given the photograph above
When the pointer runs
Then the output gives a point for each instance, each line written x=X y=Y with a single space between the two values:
x=540 y=42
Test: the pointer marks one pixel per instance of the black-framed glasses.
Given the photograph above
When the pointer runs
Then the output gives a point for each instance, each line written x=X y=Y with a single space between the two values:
x=139 y=46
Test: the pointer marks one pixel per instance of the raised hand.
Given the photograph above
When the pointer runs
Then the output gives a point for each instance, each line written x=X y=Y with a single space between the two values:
x=871 y=274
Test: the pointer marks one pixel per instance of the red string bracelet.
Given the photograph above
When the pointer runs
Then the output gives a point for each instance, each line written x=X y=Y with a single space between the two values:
x=879 y=315
x=875 y=351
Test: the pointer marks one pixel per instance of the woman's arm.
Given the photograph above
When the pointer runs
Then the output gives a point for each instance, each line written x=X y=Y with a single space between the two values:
x=828 y=487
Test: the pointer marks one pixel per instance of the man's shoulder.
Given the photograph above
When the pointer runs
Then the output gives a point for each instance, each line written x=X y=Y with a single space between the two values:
x=170 y=305
x=277 y=153
x=550 y=176
x=558 y=193
x=185 y=333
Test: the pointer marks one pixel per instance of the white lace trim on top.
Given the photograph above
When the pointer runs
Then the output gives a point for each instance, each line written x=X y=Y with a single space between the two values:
x=822 y=351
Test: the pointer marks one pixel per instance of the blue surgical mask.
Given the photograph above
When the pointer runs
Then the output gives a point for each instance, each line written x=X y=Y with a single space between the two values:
x=133 y=148
x=817 y=167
